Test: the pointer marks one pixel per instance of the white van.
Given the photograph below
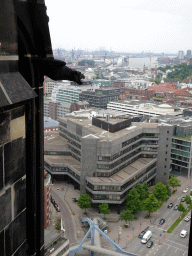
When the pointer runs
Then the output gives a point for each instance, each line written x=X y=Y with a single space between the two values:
x=146 y=237
x=183 y=233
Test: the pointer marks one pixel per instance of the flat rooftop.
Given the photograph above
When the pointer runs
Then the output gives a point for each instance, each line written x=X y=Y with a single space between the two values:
x=124 y=174
x=105 y=135
x=52 y=141
x=67 y=161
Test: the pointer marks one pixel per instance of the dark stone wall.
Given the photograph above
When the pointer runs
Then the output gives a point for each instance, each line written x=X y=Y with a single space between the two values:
x=12 y=182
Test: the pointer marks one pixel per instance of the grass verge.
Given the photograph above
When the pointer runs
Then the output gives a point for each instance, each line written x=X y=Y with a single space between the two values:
x=174 y=225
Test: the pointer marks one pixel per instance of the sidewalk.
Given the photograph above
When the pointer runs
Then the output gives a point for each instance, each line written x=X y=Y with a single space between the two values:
x=127 y=234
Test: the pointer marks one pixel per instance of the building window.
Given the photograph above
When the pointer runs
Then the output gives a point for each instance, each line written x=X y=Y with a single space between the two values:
x=166 y=146
x=166 y=152
x=164 y=173
x=167 y=131
x=165 y=159
x=165 y=166
x=167 y=138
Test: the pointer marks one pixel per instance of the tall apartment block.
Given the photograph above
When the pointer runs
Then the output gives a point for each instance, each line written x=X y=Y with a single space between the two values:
x=110 y=156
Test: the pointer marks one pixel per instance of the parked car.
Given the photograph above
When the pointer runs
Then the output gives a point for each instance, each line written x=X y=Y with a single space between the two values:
x=187 y=218
x=162 y=221
x=183 y=199
x=149 y=244
x=170 y=205
x=141 y=234
x=185 y=190
x=175 y=208
x=183 y=233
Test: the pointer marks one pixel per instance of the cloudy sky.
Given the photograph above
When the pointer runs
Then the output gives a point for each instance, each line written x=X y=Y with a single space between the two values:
x=121 y=25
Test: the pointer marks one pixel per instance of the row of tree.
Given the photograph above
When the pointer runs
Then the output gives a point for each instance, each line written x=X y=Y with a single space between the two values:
x=138 y=199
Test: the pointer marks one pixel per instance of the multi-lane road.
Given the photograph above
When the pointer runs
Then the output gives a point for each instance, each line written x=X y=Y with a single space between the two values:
x=164 y=243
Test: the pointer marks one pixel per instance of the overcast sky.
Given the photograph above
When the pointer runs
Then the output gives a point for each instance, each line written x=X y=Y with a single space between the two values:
x=122 y=25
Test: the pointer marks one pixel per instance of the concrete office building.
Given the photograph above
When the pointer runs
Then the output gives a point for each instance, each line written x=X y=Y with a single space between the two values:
x=109 y=157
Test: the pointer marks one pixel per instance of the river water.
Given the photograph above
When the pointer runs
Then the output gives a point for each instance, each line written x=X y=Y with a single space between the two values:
x=140 y=62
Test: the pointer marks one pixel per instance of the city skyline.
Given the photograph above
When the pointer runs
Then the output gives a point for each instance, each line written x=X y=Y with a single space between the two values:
x=122 y=27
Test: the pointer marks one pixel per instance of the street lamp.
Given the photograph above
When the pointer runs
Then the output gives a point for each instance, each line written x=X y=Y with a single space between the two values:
x=159 y=238
x=133 y=231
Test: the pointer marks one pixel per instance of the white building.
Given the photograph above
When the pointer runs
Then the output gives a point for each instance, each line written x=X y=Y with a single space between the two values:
x=149 y=109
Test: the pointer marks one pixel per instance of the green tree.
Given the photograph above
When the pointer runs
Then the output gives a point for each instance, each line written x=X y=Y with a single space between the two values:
x=157 y=80
x=127 y=215
x=151 y=204
x=133 y=201
x=188 y=199
x=160 y=192
x=143 y=191
x=174 y=182
x=84 y=201
x=191 y=193
x=104 y=208
x=181 y=207
x=168 y=189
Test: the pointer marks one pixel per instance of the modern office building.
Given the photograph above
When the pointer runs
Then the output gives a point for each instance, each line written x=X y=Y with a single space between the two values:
x=145 y=108
x=66 y=92
x=110 y=156
x=101 y=97
x=180 y=55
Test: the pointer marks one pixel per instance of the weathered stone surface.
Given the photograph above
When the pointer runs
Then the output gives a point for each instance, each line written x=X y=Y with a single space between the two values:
x=15 y=234
x=17 y=112
x=17 y=128
x=1 y=168
x=5 y=204
x=2 y=242
x=15 y=162
x=4 y=127
x=20 y=196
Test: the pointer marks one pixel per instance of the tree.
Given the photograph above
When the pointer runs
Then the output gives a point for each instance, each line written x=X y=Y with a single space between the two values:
x=133 y=201
x=168 y=189
x=142 y=190
x=127 y=215
x=181 y=207
x=188 y=199
x=160 y=192
x=104 y=208
x=174 y=182
x=191 y=193
x=151 y=204
x=84 y=201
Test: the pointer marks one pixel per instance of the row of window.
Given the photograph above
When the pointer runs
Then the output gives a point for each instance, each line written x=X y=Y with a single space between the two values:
x=122 y=152
x=143 y=135
x=114 y=196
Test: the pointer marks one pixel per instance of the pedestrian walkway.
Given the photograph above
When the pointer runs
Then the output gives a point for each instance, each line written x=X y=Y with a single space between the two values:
x=116 y=230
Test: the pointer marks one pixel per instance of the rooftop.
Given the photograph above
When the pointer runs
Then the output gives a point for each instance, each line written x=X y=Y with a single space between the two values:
x=53 y=141
x=64 y=160
x=124 y=174
x=105 y=135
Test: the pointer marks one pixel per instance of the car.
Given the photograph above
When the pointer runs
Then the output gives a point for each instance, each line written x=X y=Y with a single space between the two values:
x=57 y=188
x=183 y=233
x=185 y=190
x=183 y=199
x=175 y=208
x=141 y=234
x=162 y=221
x=170 y=205
x=187 y=218
x=149 y=244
